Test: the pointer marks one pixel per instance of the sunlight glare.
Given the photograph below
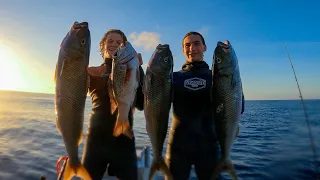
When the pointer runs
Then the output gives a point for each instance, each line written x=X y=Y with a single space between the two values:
x=10 y=78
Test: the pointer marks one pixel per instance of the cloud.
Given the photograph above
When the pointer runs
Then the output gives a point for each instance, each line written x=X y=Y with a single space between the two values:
x=147 y=40
x=204 y=30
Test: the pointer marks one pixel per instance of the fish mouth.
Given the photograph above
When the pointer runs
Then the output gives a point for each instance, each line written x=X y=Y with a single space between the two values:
x=77 y=25
x=225 y=46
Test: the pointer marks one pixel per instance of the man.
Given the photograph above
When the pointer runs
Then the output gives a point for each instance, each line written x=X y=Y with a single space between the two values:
x=192 y=139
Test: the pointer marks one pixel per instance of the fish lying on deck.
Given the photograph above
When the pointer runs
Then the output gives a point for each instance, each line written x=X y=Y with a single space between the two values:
x=71 y=79
x=124 y=82
x=157 y=91
x=227 y=102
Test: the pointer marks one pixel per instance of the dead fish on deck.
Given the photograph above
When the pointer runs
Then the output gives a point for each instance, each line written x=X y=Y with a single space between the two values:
x=123 y=84
x=157 y=103
x=227 y=100
x=71 y=79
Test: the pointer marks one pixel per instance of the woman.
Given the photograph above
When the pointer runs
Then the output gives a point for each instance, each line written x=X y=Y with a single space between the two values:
x=101 y=147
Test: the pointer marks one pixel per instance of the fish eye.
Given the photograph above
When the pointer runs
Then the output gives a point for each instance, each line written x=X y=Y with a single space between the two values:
x=83 y=41
x=165 y=59
x=218 y=60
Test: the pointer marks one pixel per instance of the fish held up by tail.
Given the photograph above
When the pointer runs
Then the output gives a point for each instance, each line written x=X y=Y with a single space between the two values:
x=71 y=86
x=122 y=87
x=157 y=92
x=227 y=97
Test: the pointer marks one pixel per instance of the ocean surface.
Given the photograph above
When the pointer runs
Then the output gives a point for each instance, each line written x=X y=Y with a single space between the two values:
x=273 y=142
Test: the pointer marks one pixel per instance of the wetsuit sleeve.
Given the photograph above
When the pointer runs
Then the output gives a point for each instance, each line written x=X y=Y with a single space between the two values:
x=242 y=103
x=139 y=95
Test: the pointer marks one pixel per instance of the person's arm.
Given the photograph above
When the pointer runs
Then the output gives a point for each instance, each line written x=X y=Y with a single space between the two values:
x=139 y=94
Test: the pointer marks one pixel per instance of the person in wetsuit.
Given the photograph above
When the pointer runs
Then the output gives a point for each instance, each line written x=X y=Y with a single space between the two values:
x=192 y=139
x=101 y=147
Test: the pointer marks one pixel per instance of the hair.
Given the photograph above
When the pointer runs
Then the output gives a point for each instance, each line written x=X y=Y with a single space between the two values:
x=194 y=33
x=102 y=42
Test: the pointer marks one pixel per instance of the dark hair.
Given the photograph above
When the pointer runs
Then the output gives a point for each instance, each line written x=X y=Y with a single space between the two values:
x=194 y=33
x=104 y=38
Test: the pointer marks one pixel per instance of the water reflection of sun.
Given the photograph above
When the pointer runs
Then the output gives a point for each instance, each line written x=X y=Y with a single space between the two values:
x=10 y=78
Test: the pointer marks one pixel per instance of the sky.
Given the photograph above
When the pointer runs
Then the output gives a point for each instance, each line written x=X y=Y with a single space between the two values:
x=31 y=33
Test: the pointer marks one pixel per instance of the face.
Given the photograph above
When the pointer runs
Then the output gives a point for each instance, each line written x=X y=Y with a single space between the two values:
x=193 y=48
x=113 y=41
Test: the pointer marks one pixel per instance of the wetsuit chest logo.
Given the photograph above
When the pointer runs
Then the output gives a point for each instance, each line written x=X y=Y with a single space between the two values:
x=195 y=83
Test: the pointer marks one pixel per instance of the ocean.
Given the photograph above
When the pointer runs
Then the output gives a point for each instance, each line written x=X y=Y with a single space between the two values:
x=273 y=142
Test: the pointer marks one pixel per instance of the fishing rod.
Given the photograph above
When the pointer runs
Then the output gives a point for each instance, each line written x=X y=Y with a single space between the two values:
x=306 y=118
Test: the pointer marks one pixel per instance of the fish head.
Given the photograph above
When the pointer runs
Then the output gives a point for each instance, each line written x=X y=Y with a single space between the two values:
x=161 y=59
x=124 y=53
x=77 y=42
x=223 y=56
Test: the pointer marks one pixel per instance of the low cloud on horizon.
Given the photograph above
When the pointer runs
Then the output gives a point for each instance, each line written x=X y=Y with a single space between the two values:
x=147 y=40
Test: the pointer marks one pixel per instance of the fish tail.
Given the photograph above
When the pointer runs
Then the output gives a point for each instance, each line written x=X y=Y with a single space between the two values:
x=160 y=165
x=122 y=127
x=225 y=166
x=79 y=171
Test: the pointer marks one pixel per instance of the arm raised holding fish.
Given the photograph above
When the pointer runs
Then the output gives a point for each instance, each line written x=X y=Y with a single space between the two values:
x=115 y=90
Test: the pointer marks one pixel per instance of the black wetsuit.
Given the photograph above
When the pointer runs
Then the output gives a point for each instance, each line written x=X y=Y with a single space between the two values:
x=101 y=147
x=192 y=139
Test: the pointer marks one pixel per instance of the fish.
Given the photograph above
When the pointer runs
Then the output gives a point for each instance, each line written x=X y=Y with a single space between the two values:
x=122 y=87
x=71 y=87
x=227 y=97
x=157 y=90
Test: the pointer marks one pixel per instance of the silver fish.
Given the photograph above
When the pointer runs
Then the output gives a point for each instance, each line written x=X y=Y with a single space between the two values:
x=227 y=103
x=157 y=103
x=123 y=85
x=71 y=79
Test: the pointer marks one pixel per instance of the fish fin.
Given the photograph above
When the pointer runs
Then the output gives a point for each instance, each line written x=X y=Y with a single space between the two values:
x=57 y=125
x=122 y=127
x=160 y=165
x=113 y=102
x=79 y=171
x=62 y=66
x=237 y=132
x=243 y=105
x=225 y=166
x=55 y=76
x=147 y=82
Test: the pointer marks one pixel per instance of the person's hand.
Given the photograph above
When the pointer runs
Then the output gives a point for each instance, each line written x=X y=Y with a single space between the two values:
x=97 y=71
x=140 y=59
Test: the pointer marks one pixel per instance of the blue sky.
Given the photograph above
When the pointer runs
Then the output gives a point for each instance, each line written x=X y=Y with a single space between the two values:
x=34 y=30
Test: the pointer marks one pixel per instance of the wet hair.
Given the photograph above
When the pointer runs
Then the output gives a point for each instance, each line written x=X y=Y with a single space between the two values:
x=194 y=33
x=102 y=42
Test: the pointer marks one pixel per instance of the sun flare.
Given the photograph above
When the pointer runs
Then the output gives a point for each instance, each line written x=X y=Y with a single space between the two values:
x=10 y=78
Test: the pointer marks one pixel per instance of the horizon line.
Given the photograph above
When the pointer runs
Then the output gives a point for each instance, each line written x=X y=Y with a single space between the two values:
x=43 y=93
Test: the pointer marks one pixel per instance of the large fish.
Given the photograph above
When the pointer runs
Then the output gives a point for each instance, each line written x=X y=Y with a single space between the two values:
x=227 y=103
x=124 y=82
x=72 y=81
x=157 y=103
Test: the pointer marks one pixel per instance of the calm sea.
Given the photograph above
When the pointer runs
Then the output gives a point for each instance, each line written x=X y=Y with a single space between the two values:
x=273 y=142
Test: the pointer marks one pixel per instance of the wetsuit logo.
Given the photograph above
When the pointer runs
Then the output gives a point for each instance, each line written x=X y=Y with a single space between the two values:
x=195 y=83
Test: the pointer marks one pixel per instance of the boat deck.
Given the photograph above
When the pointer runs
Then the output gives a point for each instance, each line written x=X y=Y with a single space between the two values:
x=144 y=163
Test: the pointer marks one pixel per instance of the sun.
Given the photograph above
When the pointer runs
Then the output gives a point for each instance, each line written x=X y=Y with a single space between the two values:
x=10 y=78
